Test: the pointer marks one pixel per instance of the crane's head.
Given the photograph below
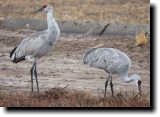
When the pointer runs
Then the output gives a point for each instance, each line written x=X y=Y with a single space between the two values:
x=45 y=8
x=138 y=82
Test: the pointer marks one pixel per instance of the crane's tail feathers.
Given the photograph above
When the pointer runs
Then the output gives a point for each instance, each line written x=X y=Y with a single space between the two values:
x=16 y=60
x=13 y=56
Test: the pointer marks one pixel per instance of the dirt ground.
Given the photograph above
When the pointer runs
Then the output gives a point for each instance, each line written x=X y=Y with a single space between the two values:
x=61 y=67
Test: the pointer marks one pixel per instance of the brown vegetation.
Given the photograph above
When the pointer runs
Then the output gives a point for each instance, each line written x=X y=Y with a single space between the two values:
x=141 y=39
x=60 y=97
x=110 y=11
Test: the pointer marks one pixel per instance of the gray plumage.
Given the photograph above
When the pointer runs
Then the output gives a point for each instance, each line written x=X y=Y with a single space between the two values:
x=112 y=61
x=38 y=44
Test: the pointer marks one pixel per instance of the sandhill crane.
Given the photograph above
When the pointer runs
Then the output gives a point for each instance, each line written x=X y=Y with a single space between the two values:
x=38 y=44
x=111 y=61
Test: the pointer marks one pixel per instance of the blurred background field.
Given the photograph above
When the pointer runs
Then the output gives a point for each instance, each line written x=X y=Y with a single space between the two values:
x=109 y=11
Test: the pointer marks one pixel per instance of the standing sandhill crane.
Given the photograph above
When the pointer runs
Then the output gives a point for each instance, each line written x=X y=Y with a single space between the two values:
x=38 y=44
x=112 y=61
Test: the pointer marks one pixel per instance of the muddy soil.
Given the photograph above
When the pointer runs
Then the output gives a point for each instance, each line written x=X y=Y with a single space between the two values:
x=62 y=68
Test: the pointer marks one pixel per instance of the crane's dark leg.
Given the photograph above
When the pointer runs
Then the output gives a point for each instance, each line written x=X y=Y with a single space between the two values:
x=106 y=83
x=111 y=85
x=31 y=71
x=35 y=72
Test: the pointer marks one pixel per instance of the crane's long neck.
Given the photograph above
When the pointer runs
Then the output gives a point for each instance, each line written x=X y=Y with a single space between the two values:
x=53 y=28
x=127 y=79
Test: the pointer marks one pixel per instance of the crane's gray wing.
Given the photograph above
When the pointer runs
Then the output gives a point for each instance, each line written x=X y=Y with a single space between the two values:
x=30 y=44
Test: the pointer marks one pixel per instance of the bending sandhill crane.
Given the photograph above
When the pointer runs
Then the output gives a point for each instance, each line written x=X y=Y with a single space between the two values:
x=38 y=44
x=111 y=61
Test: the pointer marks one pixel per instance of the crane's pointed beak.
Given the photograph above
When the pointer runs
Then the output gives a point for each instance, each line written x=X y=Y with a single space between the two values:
x=139 y=87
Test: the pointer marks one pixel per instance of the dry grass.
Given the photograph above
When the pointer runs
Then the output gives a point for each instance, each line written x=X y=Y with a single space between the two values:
x=60 y=97
x=141 y=39
x=121 y=11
